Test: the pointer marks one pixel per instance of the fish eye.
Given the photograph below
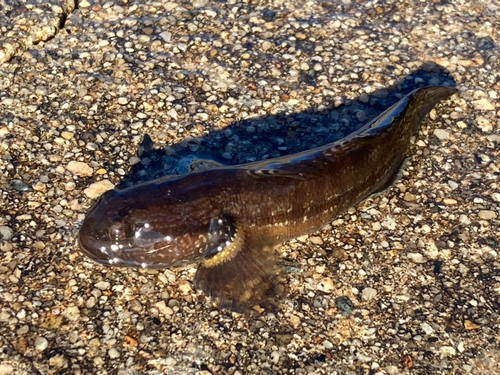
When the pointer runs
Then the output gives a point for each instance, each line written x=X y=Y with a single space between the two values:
x=119 y=231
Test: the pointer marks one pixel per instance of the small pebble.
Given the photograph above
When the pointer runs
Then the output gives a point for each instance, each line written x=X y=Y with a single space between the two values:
x=416 y=257
x=169 y=361
x=41 y=343
x=295 y=321
x=487 y=215
x=67 y=135
x=469 y=325
x=345 y=305
x=90 y=302
x=368 y=294
x=163 y=308
x=484 y=124
x=442 y=134
x=361 y=116
x=6 y=369
x=409 y=197
x=464 y=219
x=483 y=105
x=266 y=45
x=5 y=233
x=325 y=285
x=448 y=350
x=79 y=168
x=20 y=186
x=185 y=286
x=103 y=285
x=166 y=36
x=72 y=313
x=327 y=345
x=113 y=353
x=427 y=328
x=316 y=240
x=96 y=189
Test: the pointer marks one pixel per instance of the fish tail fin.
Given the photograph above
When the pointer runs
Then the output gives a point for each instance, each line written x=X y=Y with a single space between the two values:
x=425 y=99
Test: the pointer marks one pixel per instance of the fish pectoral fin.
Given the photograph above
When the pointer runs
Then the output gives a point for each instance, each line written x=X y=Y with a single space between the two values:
x=238 y=277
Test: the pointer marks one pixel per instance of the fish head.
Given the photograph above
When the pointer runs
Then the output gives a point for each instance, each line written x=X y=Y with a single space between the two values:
x=134 y=228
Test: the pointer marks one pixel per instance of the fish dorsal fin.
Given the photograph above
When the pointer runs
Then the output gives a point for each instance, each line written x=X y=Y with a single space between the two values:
x=270 y=171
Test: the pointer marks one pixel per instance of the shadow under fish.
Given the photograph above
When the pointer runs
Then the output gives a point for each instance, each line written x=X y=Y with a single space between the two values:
x=230 y=219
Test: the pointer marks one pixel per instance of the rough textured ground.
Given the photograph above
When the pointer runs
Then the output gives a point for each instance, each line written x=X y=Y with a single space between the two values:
x=243 y=81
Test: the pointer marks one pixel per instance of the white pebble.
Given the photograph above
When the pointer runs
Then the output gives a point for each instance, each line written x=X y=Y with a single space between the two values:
x=113 y=353
x=494 y=196
x=41 y=343
x=79 y=168
x=416 y=257
x=448 y=350
x=427 y=328
x=368 y=294
x=5 y=233
x=442 y=134
x=98 y=188
x=487 y=215
x=6 y=369
x=452 y=184
x=102 y=285
x=72 y=313
x=484 y=105
x=484 y=124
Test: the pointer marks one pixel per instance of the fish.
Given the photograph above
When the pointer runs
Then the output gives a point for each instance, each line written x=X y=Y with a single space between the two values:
x=231 y=219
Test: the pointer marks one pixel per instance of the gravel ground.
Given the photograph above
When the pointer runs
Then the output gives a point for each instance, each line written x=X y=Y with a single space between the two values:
x=408 y=282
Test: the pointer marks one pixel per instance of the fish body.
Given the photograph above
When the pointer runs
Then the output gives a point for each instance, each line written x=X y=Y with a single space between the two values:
x=228 y=219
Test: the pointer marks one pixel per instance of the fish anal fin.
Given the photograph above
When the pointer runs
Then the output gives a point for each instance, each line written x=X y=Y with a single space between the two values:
x=391 y=181
x=240 y=281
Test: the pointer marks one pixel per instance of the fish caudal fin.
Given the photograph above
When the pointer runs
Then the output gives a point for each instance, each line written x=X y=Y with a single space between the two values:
x=240 y=276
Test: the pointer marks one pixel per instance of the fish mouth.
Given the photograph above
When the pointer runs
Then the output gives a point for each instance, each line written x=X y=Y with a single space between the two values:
x=91 y=248
x=100 y=252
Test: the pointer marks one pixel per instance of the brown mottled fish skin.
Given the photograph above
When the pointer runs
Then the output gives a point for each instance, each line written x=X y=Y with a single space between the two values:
x=229 y=218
